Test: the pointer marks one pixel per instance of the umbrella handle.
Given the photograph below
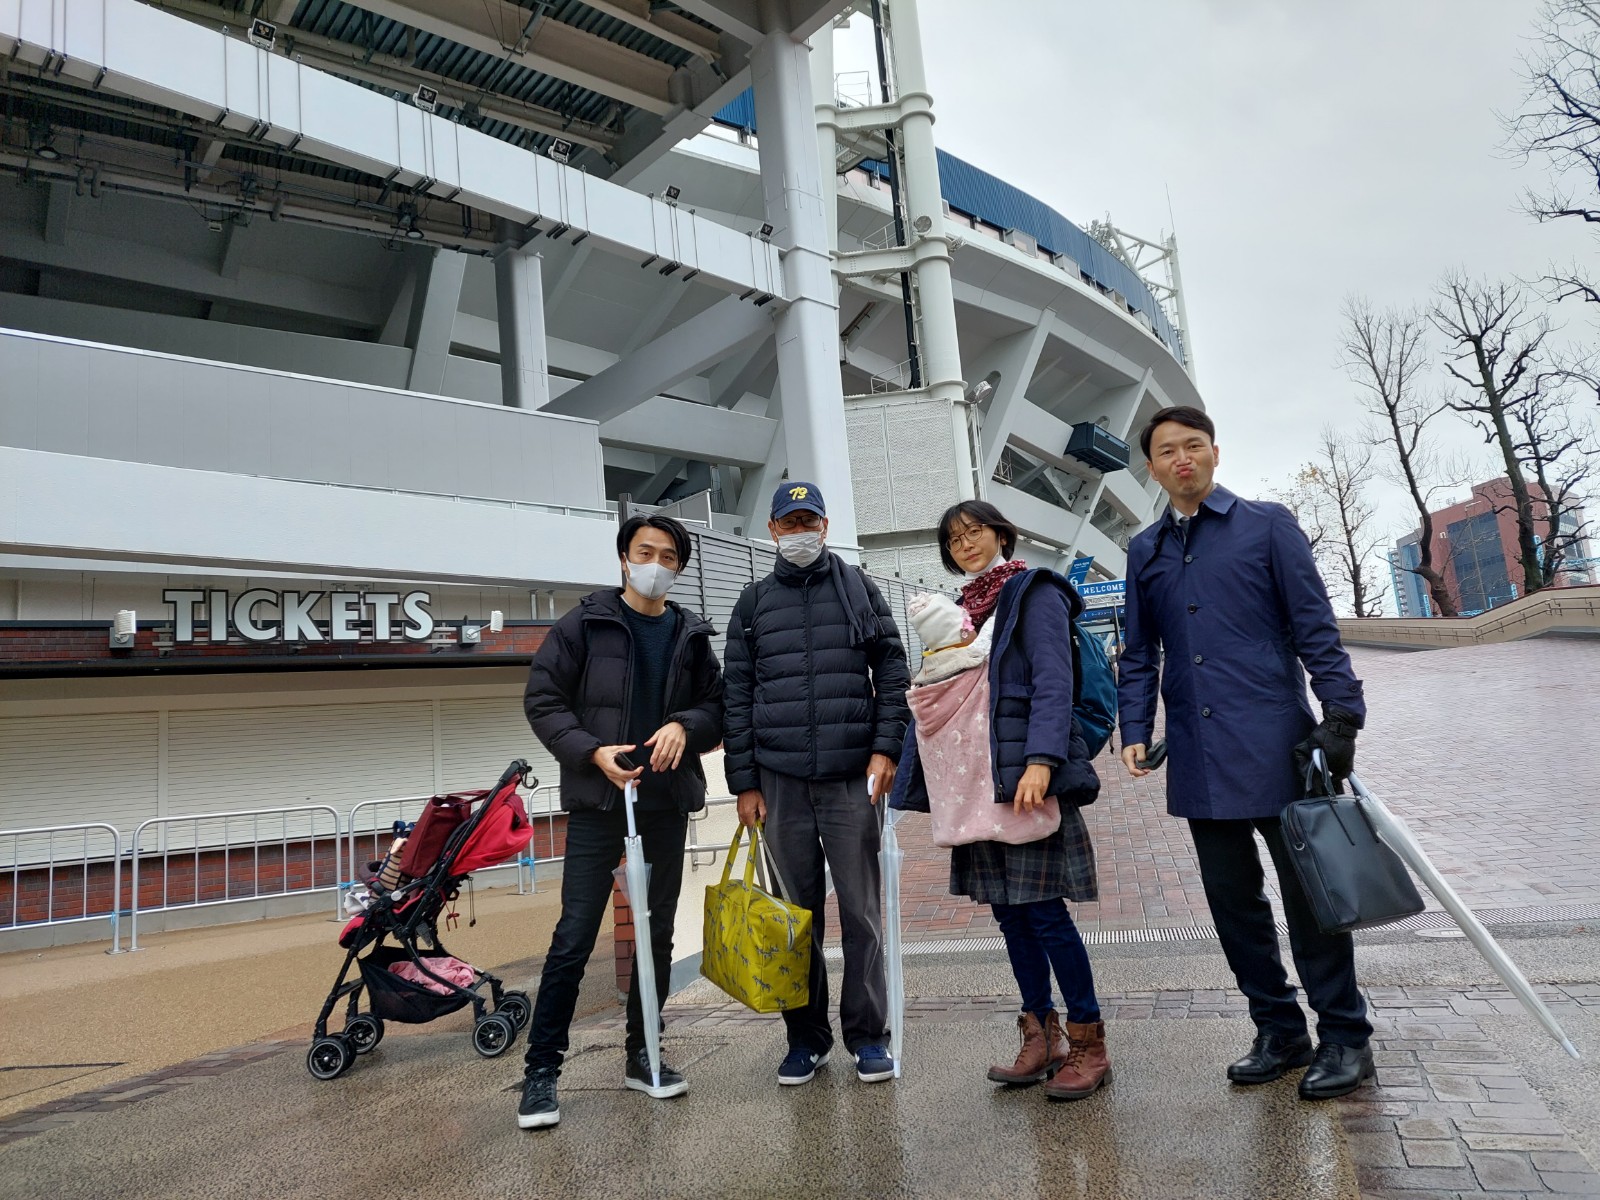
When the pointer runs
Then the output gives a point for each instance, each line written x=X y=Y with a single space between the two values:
x=872 y=789
x=630 y=797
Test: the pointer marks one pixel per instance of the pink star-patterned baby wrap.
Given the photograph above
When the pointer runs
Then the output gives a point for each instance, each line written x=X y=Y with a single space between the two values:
x=950 y=700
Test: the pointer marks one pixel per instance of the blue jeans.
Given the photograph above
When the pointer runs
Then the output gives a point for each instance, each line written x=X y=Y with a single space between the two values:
x=1039 y=936
x=594 y=847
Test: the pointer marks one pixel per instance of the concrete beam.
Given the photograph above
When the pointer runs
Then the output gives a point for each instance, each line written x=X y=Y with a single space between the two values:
x=728 y=327
x=683 y=429
x=650 y=491
x=57 y=212
x=433 y=320
x=1014 y=358
x=131 y=49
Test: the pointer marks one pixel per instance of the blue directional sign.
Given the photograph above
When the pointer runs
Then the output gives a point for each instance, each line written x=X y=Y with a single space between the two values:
x=1103 y=595
x=1079 y=571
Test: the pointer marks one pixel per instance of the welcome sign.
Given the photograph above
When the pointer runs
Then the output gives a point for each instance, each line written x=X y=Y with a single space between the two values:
x=264 y=615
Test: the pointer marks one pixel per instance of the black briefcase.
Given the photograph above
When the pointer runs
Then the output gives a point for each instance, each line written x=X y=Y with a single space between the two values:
x=1352 y=879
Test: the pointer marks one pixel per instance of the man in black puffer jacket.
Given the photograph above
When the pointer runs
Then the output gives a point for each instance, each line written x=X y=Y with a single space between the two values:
x=816 y=705
x=626 y=688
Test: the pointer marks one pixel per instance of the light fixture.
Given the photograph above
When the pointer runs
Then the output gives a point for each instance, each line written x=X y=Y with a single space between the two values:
x=471 y=635
x=42 y=142
x=124 y=628
x=406 y=223
x=922 y=224
x=262 y=34
x=426 y=98
x=497 y=621
x=559 y=149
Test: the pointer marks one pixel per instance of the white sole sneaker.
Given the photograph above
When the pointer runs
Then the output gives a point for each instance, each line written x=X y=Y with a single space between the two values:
x=797 y=1080
x=539 y=1120
x=665 y=1092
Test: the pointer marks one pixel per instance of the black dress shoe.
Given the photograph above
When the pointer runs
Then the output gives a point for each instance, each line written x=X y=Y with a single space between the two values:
x=1270 y=1058
x=1337 y=1071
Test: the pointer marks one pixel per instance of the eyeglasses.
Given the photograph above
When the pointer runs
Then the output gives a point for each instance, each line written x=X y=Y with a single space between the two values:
x=967 y=536
x=805 y=519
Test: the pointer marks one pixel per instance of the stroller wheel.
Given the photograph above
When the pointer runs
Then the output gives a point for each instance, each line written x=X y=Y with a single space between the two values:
x=493 y=1035
x=329 y=1057
x=515 y=1005
x=364 y=1032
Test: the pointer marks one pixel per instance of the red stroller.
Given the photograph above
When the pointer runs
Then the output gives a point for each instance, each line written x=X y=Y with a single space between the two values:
x=456 y=834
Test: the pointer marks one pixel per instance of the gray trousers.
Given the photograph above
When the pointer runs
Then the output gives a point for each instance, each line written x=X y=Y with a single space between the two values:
x=809 y=821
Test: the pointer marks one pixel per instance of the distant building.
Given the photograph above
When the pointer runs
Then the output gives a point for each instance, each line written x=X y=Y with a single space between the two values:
x=1475 y=545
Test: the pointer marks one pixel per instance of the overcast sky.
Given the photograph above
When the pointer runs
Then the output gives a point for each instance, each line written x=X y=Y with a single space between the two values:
x=1310 y=151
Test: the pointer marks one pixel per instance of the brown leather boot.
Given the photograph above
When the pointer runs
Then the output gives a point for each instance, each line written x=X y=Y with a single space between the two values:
x=1041 y=1051
x=1087 y=1065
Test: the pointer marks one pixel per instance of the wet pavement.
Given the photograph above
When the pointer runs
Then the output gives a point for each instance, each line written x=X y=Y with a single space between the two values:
x=1471 y=1099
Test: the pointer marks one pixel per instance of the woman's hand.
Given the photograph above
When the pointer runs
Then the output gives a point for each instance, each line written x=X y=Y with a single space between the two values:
x=1031 y=791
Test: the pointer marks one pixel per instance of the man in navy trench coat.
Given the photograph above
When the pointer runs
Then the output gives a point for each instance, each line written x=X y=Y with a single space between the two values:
x=1226 y=609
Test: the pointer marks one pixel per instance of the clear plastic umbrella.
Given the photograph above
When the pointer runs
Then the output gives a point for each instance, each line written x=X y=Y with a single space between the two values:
x=1398 y=837
x=636 y=882
x=891 y=857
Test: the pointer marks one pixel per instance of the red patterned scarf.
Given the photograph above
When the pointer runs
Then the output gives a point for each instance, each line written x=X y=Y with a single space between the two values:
x=981 y=595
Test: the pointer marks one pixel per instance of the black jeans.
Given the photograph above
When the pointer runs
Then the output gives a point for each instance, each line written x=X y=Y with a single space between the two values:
x=594 y=847
x=1230 y=870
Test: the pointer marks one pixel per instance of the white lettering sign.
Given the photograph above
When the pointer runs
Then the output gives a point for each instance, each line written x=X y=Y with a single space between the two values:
x=262 y=615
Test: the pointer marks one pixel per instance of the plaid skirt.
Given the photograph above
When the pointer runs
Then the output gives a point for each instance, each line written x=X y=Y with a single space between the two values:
x=1059 y=865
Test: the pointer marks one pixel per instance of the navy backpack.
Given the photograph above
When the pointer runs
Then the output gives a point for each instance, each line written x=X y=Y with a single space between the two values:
x=1094 y=689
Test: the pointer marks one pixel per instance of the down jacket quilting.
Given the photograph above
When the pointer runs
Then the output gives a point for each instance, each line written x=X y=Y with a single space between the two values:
x=802 y=700
x=578 y=695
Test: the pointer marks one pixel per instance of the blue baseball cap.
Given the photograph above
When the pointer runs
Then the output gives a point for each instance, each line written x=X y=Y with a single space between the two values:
x=796 y=495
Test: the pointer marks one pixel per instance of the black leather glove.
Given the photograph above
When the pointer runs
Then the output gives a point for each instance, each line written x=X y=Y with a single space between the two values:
x=1336 y=738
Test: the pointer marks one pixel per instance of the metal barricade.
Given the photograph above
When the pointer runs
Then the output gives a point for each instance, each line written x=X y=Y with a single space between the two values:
x=692 y=847
x=39 y=847
x=544 y=804
x=204 y=848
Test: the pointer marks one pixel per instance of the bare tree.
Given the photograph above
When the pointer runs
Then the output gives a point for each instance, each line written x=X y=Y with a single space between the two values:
x=1304 y=498
x=1341 y=473
x=1517 y=392
x=1559 y=123
x=1386 y=354
x=1560 y=451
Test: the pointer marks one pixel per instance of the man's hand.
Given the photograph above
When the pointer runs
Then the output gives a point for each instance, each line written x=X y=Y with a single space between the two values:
x=667 y=745
x=1133 y=758
x=606 y=759
x=881 y=771
x=1336 y=738
x=1031 y=790
x=752 y=808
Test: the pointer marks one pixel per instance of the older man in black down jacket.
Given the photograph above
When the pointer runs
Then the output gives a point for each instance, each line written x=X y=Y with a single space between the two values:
x=626 y=688
x=816 y=705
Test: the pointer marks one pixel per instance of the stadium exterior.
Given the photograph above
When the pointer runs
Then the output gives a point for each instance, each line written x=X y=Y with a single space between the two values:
x=326 y=332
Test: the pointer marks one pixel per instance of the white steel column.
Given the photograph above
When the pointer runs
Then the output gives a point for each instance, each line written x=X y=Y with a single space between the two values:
x=941 y=351
x=519 y=295
x=808 y=330
x=822 y=92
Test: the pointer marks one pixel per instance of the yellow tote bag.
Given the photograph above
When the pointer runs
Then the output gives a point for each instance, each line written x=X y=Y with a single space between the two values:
x=757 y=946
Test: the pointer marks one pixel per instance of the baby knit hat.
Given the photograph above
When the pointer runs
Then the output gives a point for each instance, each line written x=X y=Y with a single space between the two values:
x=938 y=620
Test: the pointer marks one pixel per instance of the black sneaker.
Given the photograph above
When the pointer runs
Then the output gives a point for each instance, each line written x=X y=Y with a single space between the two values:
x=638 y=1078
x=538 y=1109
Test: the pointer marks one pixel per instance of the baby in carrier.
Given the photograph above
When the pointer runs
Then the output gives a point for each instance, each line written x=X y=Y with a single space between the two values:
x=950 y=700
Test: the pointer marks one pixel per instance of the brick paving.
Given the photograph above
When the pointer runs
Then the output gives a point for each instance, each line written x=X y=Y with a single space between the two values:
x=1484 y=751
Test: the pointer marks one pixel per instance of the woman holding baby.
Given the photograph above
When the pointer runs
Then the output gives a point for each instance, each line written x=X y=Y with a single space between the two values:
x=996 y=758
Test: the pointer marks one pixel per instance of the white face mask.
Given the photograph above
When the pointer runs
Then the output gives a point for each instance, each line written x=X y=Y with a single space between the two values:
x=651 y=580
x=801 y=549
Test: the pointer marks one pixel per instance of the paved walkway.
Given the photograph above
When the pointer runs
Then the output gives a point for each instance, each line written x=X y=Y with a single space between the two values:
x=1486 y=751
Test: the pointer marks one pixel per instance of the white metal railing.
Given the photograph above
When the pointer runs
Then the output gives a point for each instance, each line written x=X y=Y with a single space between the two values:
x=50 y=848
x=896 y=379
x=225 y=853
x=208 y=846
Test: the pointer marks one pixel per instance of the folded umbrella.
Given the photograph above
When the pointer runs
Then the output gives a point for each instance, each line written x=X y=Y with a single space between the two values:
x=1395 y=834
x=891 y=857
x=636 y=882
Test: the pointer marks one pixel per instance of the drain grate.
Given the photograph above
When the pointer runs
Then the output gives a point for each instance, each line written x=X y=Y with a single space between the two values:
x=1422 y=922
